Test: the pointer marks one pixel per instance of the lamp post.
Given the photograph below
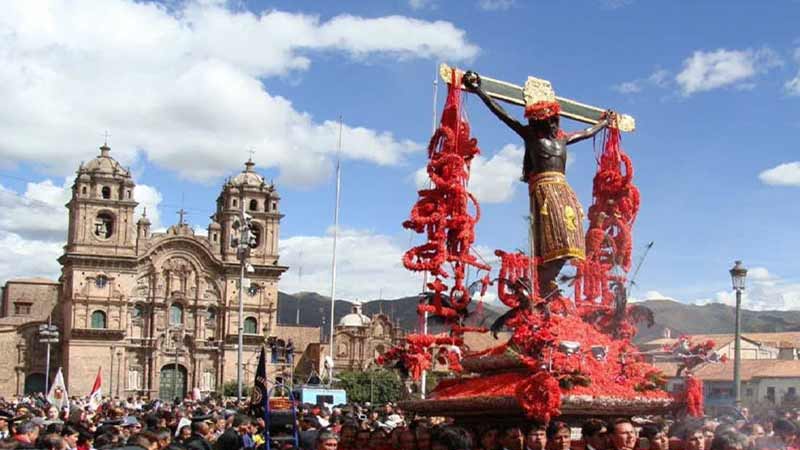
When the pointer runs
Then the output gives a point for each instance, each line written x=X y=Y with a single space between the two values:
x=738 y=275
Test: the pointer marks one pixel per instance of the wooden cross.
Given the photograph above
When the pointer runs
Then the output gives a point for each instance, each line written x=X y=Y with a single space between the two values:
x=181 y=213
x=512 y=93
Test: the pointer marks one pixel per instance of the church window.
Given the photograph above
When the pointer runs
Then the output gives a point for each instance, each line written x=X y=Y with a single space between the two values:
x=101 y=281
x=252 y=290
x=98 y=320
x=104 y=225
x=250 y=325
x=138 y=312
x=253 y=205
x=176 y=314
x=22 y=309
x=255 y=231
x=274 y=206
x=106 y=192
x=83 y=190
x=208 y=380
x=135 y=378
x=211 y=316
x=215 y=236
x=234 y=203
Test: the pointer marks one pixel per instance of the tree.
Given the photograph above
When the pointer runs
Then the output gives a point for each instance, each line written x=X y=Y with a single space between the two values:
x=375 y=386
x=229 y=389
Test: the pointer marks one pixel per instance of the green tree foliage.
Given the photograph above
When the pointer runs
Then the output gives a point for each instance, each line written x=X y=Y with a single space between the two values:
x=230 y=387
x=376 y=386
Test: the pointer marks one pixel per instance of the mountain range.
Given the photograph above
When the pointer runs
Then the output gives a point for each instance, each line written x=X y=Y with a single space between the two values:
x=679 y=318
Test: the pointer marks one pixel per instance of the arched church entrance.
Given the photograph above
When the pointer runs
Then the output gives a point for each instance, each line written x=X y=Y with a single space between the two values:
x=34 y=383
x=173 y=382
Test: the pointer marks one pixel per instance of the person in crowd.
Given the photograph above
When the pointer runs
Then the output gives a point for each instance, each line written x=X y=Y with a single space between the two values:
x=26 y=434
x=623 y=435
x=231 y=439
x=731 y=440
x=559 y=436
x=656 y=435
x=326 y=440
x=70 y=435
x=594 y=433
x=536 y=437
x=487 y=439
x=512 y=438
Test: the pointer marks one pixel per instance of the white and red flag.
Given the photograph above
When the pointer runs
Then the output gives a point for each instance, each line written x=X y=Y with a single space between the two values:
x=96 y=396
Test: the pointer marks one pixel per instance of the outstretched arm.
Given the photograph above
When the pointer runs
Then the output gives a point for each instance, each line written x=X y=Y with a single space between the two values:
x=473 y=82
x=591 y=131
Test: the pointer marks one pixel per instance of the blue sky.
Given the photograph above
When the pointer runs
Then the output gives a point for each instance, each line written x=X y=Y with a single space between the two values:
x=187 y=88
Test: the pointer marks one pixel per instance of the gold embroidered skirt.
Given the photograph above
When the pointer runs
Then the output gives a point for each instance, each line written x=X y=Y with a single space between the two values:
x=558 y=217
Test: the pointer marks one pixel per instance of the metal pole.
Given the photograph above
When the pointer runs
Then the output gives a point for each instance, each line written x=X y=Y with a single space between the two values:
x=424 y=380
x=737 y=352
x=47 y=362
x=111 y=374
x=335 y=235
x=241 y=305
x=175 y=371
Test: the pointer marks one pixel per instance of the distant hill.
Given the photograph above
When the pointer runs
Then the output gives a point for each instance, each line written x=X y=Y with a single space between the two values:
x=680 y=318
x=313 y=307
x=713 y=318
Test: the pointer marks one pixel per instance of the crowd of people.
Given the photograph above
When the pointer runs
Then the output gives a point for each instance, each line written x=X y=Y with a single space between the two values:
x=32 y=423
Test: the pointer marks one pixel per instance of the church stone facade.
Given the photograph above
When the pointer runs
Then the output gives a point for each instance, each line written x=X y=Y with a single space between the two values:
x=158 y=312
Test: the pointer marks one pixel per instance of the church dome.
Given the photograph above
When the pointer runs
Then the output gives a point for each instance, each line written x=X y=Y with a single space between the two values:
x=104 y=164
x=248 y=176
x=355 y=318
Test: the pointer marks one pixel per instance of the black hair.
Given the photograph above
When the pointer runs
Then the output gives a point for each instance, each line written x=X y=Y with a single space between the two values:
x=591 y=427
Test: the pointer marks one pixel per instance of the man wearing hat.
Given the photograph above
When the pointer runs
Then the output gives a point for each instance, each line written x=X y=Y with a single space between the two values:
x=5 y=419
x=200 y=431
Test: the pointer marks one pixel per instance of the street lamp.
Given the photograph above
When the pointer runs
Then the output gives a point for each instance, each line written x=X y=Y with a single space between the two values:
x=738 y=275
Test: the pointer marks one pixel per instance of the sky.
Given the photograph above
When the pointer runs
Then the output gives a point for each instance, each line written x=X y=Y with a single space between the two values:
x=186 y=89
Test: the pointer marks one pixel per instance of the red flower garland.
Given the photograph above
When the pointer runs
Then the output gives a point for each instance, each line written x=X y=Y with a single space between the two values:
x=694 y=397
x=540 y=396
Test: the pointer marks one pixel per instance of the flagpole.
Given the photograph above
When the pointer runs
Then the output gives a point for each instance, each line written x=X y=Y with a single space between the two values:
x=425 y=274
x=47 y=361
x=335 y=235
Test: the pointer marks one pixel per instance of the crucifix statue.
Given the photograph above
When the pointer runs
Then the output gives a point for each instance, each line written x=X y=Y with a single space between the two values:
x=181 y=213
x=556 y=216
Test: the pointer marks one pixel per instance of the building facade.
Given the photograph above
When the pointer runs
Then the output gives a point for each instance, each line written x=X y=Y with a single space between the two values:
x=158 y=312
x=359 y=339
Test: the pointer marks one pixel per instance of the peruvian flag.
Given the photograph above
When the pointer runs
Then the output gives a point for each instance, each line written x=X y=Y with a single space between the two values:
x=96 y=396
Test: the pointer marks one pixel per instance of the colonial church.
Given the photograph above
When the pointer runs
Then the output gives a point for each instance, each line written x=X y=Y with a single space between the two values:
x=158 y=312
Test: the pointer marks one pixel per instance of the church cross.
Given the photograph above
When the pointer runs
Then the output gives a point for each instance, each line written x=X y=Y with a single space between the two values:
x=181 y=213
x=252 y=153
x=106 y=135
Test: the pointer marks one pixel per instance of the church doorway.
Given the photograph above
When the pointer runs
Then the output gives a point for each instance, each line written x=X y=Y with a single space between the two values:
x=34 y=383
x=173 y=382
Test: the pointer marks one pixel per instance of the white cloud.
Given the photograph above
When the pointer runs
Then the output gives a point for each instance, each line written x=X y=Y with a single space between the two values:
x=33 y=226
x=787 y=174
x=148 y=197
x=495 y=5
x=366 y=264
x=421 y=4
x=185 y=86
x=36 y=214
x=659 y=78
x=650 y=295
x=629 y=87
x=704 y=71
x=491 y=180
x=764 y=291
x=28 y=258
x=793 y=86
